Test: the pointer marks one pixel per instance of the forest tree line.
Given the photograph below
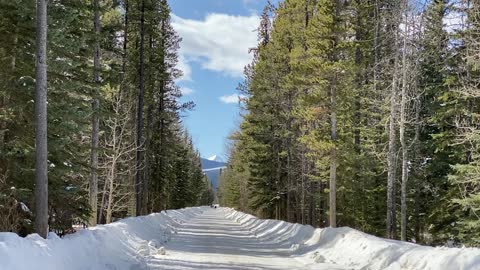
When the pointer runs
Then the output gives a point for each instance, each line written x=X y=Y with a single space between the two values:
x=113 y=119
x=363 y=113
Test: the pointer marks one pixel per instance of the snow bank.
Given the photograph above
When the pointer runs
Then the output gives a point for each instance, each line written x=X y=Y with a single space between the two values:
x=132 y=243
x=350 y=248
x=126 y=244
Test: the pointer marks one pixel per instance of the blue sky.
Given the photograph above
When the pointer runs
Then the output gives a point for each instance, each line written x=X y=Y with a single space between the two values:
x=216 y=37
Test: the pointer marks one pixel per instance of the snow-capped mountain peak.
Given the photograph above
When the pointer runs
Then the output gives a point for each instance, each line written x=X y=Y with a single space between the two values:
x=215 y=158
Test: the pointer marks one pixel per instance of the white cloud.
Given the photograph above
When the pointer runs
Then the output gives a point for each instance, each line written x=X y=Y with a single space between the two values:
x=248 y=3
x=234 y=98
x=185 y=68
x=220 y=42
x=186 y=91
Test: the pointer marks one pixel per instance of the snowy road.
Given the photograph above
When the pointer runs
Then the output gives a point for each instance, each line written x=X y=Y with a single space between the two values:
x=223 y=239
x=212 y=241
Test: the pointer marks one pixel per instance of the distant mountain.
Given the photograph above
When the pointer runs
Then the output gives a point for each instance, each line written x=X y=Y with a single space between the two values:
x=215 y=158
x=212 y=169
x=210 y=164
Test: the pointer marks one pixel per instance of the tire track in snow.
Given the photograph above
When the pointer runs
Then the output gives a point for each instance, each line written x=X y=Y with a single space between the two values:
x=213 y=241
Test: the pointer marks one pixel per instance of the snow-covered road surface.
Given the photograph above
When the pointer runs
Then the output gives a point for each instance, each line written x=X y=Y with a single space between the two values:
x=214 y=241
x=218 y=239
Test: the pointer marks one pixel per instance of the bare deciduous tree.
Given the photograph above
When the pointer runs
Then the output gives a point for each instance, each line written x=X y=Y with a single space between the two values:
x=119 y=153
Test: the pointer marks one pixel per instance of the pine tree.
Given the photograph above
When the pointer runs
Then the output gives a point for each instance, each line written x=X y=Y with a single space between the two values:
x=259 y=127
x=233 y=183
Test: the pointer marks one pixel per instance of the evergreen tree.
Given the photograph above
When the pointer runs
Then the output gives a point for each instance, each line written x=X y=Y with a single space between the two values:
x=73 y=55
x=334 y=87
x=465 y=174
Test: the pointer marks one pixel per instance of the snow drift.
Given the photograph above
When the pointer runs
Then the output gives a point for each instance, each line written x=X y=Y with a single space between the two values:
x=126 y=244
x=353 y=249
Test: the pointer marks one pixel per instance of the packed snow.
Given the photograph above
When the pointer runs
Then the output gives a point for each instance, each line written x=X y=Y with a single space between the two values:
x=209 y=238
x=126 y=244
x=352 y=249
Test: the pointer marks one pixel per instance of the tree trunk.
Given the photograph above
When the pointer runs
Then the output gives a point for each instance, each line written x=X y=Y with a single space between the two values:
x=302 y=186
x=289 y=161
x=358 y=181
x=41 y=151
x=395 y=13
x=111 y=191
x=333 y=132
x=93 y=190
x=416 y=152
x=138 y=175
x=125 y=50
x=403 y=104
x=148 y=165
x=376 y=47
x=333 y=159
x=132 y=173
x=391 y=162
x=161 y=129
x=101 y=213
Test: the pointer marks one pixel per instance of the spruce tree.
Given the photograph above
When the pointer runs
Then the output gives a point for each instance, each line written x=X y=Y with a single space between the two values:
x=465 y=174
